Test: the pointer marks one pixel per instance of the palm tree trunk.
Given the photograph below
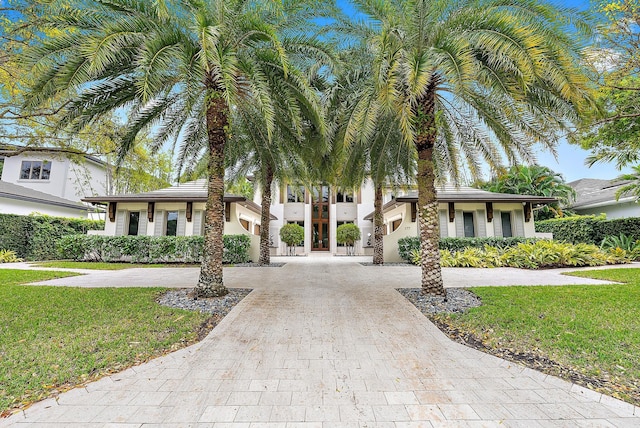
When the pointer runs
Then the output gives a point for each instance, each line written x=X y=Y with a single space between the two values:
x=265 y=255
x=427 y=204
x=210 y=283
x=378 y=224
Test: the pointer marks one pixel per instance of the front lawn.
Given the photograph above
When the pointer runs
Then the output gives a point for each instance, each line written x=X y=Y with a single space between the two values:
x=588 y=334
x=52 y=338
x=67 y=264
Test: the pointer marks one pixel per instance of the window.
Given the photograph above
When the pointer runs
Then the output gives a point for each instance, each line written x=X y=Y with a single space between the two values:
x=172 y=223
x=505 y=218
x=344 y=197
x=396 y=224
x=245 y=224
x=134 y=222
x=469 y=228
x=295 y=194
x=35 y=170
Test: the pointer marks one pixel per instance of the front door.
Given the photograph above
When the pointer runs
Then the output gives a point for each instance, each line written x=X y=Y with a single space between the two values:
x=320 y=218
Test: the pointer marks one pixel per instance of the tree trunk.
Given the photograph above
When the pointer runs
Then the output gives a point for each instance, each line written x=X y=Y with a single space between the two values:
x=427 y=204
x=378 y=224
x=210 y=283
x=265 y=255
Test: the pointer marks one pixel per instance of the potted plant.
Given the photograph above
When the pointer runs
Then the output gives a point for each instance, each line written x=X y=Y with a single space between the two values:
x=348 y=234
x=292 y=234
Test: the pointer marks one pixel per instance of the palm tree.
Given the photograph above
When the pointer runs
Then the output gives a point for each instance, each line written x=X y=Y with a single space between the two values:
x=178 y=66
x=276 y=159
x=469 y=79
x=632 y=188
x=534 y=180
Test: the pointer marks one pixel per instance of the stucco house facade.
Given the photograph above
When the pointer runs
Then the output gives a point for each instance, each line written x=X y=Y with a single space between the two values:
x=595 y=196
x=49 y=181
x=179 y=210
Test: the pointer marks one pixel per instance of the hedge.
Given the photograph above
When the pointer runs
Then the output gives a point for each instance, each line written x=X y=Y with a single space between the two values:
x=408 y=244
x=149 y=249
x=589 y=229
x=35 y=237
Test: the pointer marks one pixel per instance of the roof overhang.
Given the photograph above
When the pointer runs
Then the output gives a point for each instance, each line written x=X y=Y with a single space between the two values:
x=73 y=206
x=183 y=197
x=600 y=204
x=471 y=197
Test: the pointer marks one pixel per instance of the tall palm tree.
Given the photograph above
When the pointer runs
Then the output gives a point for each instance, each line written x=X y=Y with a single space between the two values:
x=469 y=78
x=179 y=65
x=534 y=180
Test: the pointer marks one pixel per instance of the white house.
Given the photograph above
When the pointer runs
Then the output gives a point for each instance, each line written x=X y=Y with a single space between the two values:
x=52 y=172
x=178 y=210
x=594 y=196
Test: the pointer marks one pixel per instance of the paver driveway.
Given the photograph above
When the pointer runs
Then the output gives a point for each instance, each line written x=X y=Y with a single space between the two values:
x=327 y=344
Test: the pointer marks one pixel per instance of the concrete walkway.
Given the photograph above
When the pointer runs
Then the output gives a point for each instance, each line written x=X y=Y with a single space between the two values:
x=325 y=344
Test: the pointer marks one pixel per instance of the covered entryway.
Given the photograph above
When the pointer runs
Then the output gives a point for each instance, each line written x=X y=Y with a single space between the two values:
x=320 y=218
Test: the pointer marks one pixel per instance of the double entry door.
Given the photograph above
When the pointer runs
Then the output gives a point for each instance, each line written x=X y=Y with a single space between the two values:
x=320 y=218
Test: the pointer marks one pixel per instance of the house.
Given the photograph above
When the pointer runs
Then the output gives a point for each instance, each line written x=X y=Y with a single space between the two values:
x=63 y=178
x=594 y=196
x=178 y=210
x=463 y=212
x=22 y=200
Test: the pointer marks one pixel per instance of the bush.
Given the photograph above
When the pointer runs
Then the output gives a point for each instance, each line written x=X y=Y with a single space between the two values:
x=35 y=237
x=533 y=255
x=348 y=234
x=292 y=234
x=149 y=249
x=409 y=245
x=589 y=229
x=8 y=256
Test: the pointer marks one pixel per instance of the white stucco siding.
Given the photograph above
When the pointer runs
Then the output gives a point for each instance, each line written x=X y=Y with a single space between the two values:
x=617 y=210
x=20 y=207
x=405 y=229
x=68 y=180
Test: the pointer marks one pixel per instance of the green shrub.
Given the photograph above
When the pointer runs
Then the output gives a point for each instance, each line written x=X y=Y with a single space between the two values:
x=623 y=242
x=348 y=234
x=292 y=234
x=35 y=237
x=532 y=255
x=589 y=229
x=149 y=249
x=8 y=256
x=406 y=246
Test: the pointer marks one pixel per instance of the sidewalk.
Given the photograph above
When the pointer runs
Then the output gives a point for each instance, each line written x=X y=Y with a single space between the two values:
x=326 y=344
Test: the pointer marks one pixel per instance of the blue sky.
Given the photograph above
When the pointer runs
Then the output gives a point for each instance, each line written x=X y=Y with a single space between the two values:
x=570 y=159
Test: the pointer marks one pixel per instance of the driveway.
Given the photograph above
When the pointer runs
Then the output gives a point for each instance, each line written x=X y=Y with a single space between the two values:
x=325 y=344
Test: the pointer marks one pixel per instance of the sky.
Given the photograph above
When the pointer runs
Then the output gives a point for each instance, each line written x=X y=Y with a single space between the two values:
x=570 y=158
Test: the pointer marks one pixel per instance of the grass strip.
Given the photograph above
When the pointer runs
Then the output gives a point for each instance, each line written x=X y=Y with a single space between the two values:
x=593 y=331
x=64 y=264
x=52 y=338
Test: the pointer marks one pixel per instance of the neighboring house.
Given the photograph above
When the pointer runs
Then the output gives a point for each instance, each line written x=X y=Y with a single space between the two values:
x=594 y=196
x=178 y=210
x=52 y=172
x=21 y=200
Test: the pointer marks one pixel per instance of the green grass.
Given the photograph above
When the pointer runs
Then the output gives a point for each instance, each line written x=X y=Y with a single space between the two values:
x=56 y=337
x=593 y=329
x=101 y=265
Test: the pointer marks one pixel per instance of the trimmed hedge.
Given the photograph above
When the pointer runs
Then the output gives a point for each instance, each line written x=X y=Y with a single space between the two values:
x=35 y=237
x=149 y=249
x=412 y=243
x=589 y=229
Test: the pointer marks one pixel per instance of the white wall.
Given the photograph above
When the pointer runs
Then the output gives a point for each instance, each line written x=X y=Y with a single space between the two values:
x=13 y=206
x=68 y=180
x=619 y=210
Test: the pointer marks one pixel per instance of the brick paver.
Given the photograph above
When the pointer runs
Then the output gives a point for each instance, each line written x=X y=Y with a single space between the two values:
x=327 y=345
